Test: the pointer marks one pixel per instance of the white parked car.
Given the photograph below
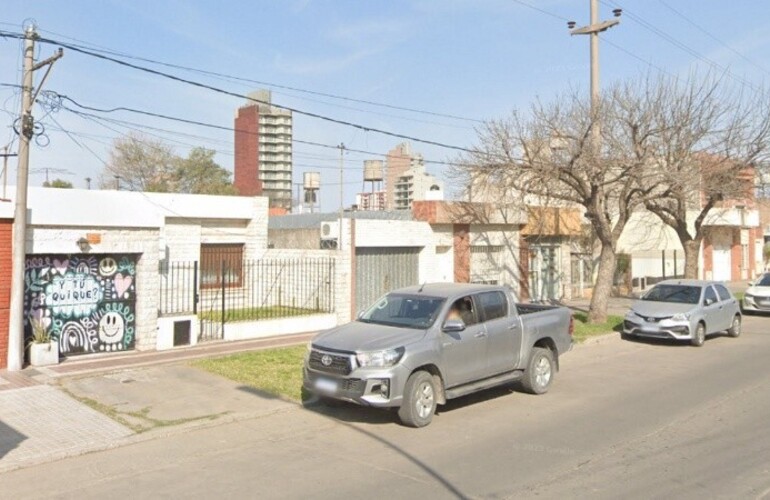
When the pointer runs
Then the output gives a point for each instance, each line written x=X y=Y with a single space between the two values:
x=757 y=296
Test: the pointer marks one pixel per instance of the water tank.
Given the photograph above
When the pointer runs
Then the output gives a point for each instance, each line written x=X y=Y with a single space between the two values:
x=311 y=180
x=372 y=170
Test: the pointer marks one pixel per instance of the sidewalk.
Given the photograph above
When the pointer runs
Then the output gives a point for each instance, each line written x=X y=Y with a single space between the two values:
x=90 y=404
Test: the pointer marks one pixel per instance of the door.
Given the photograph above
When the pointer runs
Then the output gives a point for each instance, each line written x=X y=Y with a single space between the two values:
x=728 y=307
x=722 y=261
x=712 y=309
x=503 y=332
x=464 y=353
x=544 y=273
x=381 y=270
x=87 y=302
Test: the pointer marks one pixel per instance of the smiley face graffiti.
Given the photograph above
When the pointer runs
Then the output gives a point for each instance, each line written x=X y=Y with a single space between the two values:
x=111 y=329
x=89 y=300
x=108 y=266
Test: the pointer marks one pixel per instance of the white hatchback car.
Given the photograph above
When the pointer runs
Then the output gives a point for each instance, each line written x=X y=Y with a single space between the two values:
x=757 y=296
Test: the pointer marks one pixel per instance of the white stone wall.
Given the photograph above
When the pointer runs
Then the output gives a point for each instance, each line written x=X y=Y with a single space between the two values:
x=181 y=240
x=505 y=257
x=62 y=240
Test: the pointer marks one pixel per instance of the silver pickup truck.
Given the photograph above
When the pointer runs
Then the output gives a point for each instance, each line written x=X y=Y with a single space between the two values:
x=420 y=346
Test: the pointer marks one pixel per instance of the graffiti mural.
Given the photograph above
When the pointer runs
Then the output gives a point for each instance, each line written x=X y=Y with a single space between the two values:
x=86 y=302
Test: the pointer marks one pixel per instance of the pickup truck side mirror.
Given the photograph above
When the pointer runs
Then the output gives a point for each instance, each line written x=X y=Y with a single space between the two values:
x=453 y=325
x=751 y=283
x=360 y=314
x=708 y=302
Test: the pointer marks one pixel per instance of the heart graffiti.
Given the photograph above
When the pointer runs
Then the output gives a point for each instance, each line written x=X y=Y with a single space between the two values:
x=122 y=283
x=61 y=266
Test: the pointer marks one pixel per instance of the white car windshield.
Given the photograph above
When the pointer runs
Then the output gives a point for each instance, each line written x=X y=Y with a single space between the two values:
x=409 y=311
x=683 y=294
x=764 y=281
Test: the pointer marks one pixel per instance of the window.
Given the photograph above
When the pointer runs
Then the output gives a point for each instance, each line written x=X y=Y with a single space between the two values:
x=493 y=305
x=466 y=310
x=409 y=311
x=221 y=264
x=710 y=295
x=682 y=294
x=723 y=293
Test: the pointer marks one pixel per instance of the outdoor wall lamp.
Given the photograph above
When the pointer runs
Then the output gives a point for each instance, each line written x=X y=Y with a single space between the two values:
x=83 y=244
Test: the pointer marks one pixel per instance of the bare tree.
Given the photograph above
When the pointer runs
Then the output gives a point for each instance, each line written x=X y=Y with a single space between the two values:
x=551 y=156
x=141 y=164
x=708 y=140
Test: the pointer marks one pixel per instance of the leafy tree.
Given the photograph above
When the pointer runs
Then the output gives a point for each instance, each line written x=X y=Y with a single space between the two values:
x=200 y=174
x=58 y=183
x=138 y=163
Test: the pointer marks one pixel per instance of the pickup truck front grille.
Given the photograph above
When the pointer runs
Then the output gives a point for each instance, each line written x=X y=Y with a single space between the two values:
x=335 y=363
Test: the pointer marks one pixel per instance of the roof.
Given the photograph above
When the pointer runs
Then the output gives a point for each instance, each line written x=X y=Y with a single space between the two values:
x=314 y=220
x=448 y=289
x=686 y=282
x=110 y=208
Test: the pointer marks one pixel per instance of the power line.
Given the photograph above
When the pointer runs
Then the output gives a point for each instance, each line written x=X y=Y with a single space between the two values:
x=105 y=50
x=711 y=35
x=682 y=46
x=197 y=123
x=542 y=11
x=243 y=96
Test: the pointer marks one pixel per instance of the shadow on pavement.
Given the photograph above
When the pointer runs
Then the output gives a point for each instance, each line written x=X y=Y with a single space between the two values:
x=256 y=392
x=10 y=438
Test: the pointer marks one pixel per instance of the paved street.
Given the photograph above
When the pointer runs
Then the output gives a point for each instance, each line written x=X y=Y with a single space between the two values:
x=624 y=419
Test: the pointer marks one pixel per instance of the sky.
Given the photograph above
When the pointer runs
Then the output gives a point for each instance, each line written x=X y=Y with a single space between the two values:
x=473 y=59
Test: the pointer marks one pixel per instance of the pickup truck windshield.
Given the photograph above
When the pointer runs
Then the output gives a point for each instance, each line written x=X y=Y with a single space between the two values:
x=408 y=311
x=682 y=294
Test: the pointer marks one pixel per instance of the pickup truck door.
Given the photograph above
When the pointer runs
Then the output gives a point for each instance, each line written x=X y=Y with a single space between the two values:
x=503 y=329
x=464 y=354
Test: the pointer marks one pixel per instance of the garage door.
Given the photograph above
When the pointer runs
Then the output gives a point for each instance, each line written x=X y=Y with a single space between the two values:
x=86 y=302
x=380 y=270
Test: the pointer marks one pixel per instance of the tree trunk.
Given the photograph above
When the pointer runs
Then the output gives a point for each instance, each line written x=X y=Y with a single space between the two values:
x=597 y=312
x=691 y=256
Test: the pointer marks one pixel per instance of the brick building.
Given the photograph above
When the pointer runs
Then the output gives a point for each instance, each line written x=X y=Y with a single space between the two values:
x=263 y=151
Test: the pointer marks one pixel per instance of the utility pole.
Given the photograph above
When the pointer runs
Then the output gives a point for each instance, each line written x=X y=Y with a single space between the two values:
x=29 y=93
x=342 y=190
x=88 y=183
x=593 y=30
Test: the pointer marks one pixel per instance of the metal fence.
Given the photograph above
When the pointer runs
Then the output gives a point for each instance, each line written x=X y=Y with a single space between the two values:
x=229 y=289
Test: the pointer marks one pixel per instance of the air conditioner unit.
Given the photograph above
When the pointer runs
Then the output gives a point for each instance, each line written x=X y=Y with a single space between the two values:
x=330 y=230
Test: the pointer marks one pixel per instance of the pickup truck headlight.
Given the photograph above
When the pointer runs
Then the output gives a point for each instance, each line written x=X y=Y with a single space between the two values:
x=748 y=296
x=380 y=359
x=681 y=317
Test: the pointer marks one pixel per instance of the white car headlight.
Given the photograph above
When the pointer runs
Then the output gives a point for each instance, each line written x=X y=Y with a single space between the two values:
x=380 y=359
x=681 y=317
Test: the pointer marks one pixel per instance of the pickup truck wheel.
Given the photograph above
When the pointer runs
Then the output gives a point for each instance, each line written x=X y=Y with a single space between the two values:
x=539 y=373
x=419 y=403
x=699 y=337
x=735 y=330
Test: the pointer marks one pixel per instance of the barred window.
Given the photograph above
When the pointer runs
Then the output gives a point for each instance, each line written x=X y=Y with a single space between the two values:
x=221 y=264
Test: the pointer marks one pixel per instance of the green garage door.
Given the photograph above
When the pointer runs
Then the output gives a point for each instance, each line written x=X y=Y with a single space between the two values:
x=380 y=270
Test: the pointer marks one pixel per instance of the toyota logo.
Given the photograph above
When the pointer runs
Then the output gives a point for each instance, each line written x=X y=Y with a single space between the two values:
x=326 y=360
